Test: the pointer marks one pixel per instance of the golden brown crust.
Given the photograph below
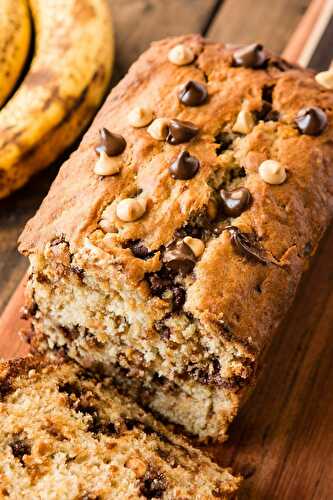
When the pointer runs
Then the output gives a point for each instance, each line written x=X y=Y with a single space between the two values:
x=228 y=295
x=285 y=217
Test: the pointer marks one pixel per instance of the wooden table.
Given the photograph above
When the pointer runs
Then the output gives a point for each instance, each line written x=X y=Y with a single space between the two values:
x=283 y=438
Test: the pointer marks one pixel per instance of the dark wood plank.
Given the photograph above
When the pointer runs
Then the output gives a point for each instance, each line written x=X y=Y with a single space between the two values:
x=137 y=23
x=269 y=22
x=294 y=51
x=324 y=55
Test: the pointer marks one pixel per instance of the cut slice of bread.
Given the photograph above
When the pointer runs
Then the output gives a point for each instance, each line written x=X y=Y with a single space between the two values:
x=65 y=434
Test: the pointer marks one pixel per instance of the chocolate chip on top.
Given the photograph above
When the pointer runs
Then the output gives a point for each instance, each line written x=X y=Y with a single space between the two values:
x=251 y=56
x=185 y=167
x=235 y=202
x=181 y=131
x=111 y=144
x=311 y=120
x=193 y=94
x=244 y=246
x=179 y=259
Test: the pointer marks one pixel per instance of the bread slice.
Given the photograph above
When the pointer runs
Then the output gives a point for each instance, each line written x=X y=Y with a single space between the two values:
x=67 y=435
x=184 y=329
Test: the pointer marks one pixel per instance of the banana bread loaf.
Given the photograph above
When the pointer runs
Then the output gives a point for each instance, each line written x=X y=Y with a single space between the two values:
x=65 y=435
x=172 y=241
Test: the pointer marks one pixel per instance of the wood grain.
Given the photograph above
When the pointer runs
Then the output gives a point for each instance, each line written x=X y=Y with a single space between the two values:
x=270 y=22
x=283 y=438
x=301 y=46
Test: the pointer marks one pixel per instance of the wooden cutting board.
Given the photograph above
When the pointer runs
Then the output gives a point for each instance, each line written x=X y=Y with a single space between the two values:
x=283 y=438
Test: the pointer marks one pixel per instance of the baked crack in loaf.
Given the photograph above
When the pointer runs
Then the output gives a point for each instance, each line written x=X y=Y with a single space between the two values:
x=65 y=434
x=172 y=241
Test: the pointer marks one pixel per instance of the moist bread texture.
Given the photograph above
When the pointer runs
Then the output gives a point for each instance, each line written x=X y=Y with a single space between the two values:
x=67 y=435
x=176 y=291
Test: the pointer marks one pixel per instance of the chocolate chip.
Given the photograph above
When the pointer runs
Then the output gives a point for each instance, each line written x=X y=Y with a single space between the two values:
x=71 y=388
x=132 y=423
x=78 y=271
x=185 y=167
x=272 y=116
x=180 y=131
x=159 y=379
x=193 y=94
x=26 y=312
x=224 y=140
x=235 y=202
x=139 y=249
x=111 y=144
x=70 y=333
x=163 y=330
x=245 y=246
x=159 y=282
x=267 y=113
x=154 y=484
x=58 y=240
x=178 y=298
x=209 y=375
x=188 y=230
x=179 y=259
x=267 y=93
x=20 y=447
x=311 y=120
x=251 y=56
x=95 y=424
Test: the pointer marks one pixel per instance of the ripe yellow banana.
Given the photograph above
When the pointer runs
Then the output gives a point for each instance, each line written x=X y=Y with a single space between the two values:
x=69 y=75
x=15 y=35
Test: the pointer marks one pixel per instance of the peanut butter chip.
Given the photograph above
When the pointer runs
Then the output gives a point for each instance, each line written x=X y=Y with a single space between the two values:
x=244 y=122
x=140 y=117
x=325 y=79
x=130 y=210
x=197 y=246
x=106 y=165
x=181 y=55
x=272 y=172
x=159 y=129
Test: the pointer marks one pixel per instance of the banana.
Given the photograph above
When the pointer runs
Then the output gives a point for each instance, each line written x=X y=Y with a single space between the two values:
x=67 y=80
x=15 y=33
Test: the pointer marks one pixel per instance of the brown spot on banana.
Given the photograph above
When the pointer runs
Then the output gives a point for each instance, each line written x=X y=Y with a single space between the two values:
x=83 y=11
x=43 y=76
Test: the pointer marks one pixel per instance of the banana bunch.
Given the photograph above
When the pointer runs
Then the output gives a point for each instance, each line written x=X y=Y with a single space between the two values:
x=63 y=87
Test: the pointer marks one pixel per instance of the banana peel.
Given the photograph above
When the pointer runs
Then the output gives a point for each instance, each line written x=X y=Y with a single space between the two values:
x=67 y=80
x=15 y=38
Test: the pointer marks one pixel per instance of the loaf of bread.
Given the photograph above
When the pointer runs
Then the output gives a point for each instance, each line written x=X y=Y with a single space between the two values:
x=172 y=241
x=67 y=435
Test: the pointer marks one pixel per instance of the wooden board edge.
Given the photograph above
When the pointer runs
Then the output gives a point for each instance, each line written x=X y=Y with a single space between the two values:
x=305 y=38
